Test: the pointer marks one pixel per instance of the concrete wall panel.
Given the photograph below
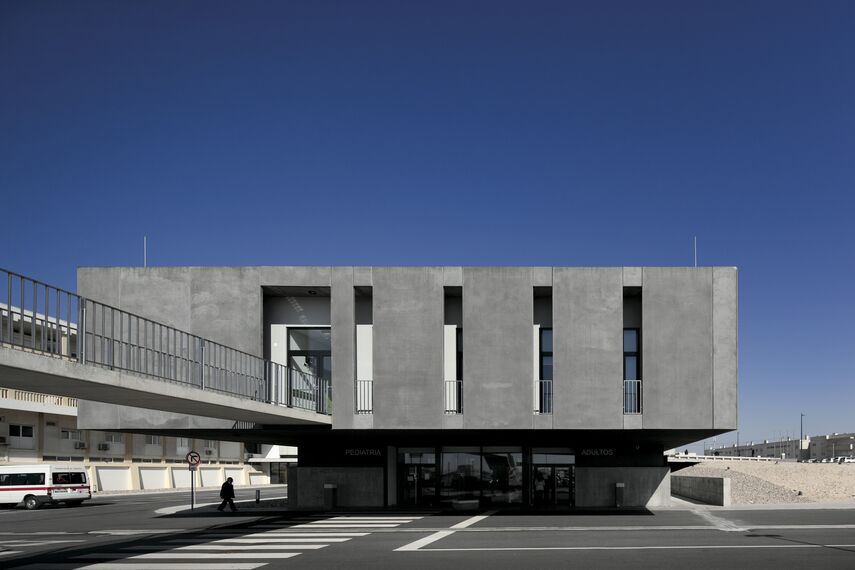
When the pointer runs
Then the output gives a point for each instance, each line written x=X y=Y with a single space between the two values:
x=497 y=347
x=356 y=486
x=135 y=289
x=222 y=304
x=226 y=305
x=343 y=346
x=643 y=486
x=724 y=343
x=587 y=348
x=295 y=276
x=408 y=339
x=676 y=345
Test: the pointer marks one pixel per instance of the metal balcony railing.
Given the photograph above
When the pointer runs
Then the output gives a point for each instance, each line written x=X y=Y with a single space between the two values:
x=453 y=396
x=632 y=396
x=543 y=404
x=43 y=319
x=364 y=396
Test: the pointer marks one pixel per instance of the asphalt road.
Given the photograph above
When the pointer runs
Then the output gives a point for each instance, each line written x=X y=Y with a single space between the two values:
x=126 y=533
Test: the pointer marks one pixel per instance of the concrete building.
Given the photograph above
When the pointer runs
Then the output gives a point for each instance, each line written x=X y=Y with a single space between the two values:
x=458 y=386
x=42 y=428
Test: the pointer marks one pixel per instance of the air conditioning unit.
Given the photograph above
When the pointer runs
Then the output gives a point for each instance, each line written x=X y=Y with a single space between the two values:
x=103 y=447
x=209 y=452
x=3 y=440
x=79 y=445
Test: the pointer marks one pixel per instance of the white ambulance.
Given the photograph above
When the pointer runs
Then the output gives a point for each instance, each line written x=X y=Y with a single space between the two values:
x=36 y=485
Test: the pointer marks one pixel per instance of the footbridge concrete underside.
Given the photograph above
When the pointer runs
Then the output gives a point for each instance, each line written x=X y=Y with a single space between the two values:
x=36 y=372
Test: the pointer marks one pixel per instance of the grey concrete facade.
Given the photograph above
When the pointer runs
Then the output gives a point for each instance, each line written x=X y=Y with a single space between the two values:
x=689 y=337
x=408 y=347
x=497 y=354
x=687 y=318
x=587 y=309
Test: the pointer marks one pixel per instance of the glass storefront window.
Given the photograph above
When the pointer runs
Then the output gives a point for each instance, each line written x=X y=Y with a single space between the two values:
x=460 y=477
x=417 y=456
x=552 y=456
x=502 y=475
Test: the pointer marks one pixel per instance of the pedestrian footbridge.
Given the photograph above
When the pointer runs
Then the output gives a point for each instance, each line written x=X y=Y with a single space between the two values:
x=57 y=342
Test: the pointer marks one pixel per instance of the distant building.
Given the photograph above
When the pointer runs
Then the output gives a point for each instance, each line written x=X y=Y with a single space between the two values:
x=37 y=428
x=816 y=447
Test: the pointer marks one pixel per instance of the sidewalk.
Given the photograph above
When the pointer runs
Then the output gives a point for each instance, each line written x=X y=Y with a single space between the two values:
x=278 y=489
x=683 y=504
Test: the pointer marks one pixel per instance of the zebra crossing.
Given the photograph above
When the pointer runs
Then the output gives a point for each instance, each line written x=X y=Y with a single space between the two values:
x=12 y=547
x=234 y=548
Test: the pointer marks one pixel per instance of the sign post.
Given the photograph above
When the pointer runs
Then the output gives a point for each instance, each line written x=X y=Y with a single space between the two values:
x=193 y=460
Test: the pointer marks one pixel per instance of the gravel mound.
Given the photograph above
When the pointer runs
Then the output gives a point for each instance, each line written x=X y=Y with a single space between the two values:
x=761 y=482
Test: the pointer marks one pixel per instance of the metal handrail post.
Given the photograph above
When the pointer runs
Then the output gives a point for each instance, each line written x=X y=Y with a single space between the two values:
x=202 y=364
x=81 y=331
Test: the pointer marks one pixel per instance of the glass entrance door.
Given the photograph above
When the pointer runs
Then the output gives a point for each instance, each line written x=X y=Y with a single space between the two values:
x=420 y=485
x=553 y=485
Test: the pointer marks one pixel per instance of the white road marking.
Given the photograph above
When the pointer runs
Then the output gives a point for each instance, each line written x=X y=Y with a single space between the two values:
x=439 y=535
x=663 y=547
x=257 y=540
x=23 y=542
x=8 y=552
x=718 y=522
x=243 y=547
x=378 y=519
x=148 y=566
x=42 y=533
x=249 y=541
x=413 y=546
x=470 y=521
x=337 y=525
x=132 y=532
x=184 y=555
x=308 y=533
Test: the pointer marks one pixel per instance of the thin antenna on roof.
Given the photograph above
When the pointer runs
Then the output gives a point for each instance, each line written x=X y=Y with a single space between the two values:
x=145 y=251
x=696 y=251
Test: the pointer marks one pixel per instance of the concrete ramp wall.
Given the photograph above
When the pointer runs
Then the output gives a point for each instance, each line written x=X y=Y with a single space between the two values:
x=709 y=490
x=642 y=486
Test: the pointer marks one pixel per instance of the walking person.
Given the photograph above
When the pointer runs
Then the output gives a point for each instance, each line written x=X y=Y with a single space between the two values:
x=227 y=494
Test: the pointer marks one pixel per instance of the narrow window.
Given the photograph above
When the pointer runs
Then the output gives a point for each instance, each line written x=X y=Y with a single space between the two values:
x=543 y=370
x=453 y=349
x=631 y=371
x=630 y=354
x=632 y=392
x=364 y=318
x=546 y=354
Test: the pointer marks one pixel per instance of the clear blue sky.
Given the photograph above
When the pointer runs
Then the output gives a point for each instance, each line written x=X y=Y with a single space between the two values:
x=476 y=133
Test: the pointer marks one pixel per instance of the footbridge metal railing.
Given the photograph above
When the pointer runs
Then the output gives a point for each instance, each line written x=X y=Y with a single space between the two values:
x=40 y=318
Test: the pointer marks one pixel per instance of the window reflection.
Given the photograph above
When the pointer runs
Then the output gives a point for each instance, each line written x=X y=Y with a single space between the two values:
x=461 y=475
x=501 y=477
